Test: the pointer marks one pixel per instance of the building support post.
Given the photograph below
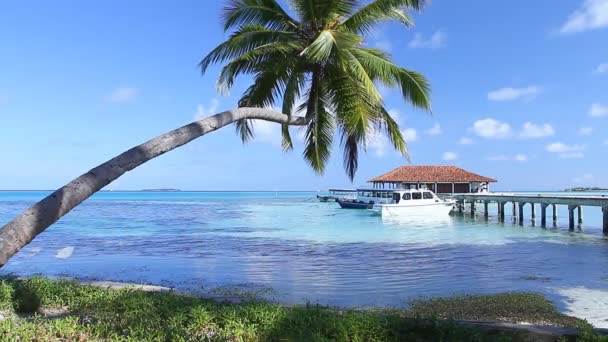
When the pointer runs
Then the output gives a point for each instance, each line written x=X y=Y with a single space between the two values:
x=554 y=214
x=460 y=206
x=571 y=216
x=605 y=211
x=580 y=214
x=514 y=211
x=453 y=188
x=485 y=209
x=543 y=214
x=501 y=212
x=533 y=211
x=473 y=208
x=521 y=213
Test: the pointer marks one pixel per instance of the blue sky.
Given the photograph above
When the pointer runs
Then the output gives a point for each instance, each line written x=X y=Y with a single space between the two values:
x=519 y=94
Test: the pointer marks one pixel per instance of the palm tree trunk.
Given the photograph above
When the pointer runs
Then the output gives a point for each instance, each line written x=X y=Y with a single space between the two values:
x=25 y=227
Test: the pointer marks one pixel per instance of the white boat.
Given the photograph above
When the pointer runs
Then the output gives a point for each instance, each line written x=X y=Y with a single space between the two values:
x=415 y=202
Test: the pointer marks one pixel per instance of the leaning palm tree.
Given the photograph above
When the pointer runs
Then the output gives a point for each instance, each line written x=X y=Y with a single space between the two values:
x=314 y=62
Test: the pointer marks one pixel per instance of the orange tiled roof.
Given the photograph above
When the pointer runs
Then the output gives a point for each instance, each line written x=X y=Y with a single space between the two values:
x=430 y=174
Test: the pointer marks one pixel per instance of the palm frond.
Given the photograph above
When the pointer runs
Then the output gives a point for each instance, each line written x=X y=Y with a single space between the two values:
x=264 y=12
x=265 y=57
x=351 y=154
x=380 y=10
x=292 y=93
x=393 y=133
x=415 y=88
x=245 y=39
x=360 y=73
x=319 y=138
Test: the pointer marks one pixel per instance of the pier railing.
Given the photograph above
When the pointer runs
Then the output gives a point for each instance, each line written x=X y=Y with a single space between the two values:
x=574 y=203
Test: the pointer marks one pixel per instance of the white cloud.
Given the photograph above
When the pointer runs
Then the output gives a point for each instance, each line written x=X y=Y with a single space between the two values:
x=435 y=41
x=377 y=142
x=593 y=14
x=602 y=68
x=566 y=151
x=501 y=157
x=491 y=129
x=559 y=147
x=202 y=112
x=121 y=95
x=378 y=39
x=597 y=110
x=395 y=114
x=267 y=132
x=448 y=156
x=465 y=141
x=531 y=131
x=435 y=130
x=586 y=178
x=410 y=135
x=520 y=157
x=585 y=131
x=509 y=93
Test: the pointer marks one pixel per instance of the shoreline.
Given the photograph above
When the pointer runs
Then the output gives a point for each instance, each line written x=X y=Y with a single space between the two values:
x=96 y=302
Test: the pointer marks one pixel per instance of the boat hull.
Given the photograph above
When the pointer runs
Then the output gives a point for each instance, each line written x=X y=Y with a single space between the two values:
x=325 y=199
x=354 y=204
x=416 y=210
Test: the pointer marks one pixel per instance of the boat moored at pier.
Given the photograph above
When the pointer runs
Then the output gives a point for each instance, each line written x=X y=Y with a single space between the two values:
x=415 y=202
x=336 y=194
x=355 y=204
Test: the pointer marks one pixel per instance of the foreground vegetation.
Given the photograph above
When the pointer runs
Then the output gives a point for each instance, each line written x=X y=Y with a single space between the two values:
x=40 y=309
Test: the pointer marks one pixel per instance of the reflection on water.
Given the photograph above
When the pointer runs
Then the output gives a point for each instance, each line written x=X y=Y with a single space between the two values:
x=311 y=251
x=406 y=222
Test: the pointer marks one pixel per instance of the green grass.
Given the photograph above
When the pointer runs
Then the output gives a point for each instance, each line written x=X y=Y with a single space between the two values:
x=93 y=313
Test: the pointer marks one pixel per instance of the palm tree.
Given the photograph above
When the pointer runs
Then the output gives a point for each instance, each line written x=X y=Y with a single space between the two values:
x=315 y=62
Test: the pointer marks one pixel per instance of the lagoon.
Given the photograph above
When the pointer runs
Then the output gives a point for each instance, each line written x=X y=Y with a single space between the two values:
x=287 y=247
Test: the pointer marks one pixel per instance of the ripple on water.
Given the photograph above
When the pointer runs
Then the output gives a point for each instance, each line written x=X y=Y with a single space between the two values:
x=307 y=251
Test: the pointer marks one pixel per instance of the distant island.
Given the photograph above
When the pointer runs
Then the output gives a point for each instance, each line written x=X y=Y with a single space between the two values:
x=580 y=189
x=161 y=190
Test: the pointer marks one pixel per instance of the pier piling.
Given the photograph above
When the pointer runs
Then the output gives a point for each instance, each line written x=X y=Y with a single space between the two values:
x=554 y=214
x=501 y=212
x=571 y=217
x=533 y=211
x=544 y=200
x=605 y=211
x=514 y=210
x=543 y=214
x=485 y=209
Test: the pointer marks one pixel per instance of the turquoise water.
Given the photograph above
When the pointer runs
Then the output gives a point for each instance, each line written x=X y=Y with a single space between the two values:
x=309 y=251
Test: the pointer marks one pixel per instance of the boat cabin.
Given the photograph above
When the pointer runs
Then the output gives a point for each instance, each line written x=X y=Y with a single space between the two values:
x=395 y=195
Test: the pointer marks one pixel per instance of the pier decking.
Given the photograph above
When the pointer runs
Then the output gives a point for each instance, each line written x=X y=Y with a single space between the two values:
x=574 y=203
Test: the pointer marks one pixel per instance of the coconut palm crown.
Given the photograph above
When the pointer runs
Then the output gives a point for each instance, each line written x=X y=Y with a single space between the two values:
x=315 y=62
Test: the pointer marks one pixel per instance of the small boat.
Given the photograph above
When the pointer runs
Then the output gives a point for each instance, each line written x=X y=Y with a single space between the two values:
x=354 y=204
x=415 y=202
x=335 y=194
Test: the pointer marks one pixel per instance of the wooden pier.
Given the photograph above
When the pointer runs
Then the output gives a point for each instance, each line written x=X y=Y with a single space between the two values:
x=575 y=205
